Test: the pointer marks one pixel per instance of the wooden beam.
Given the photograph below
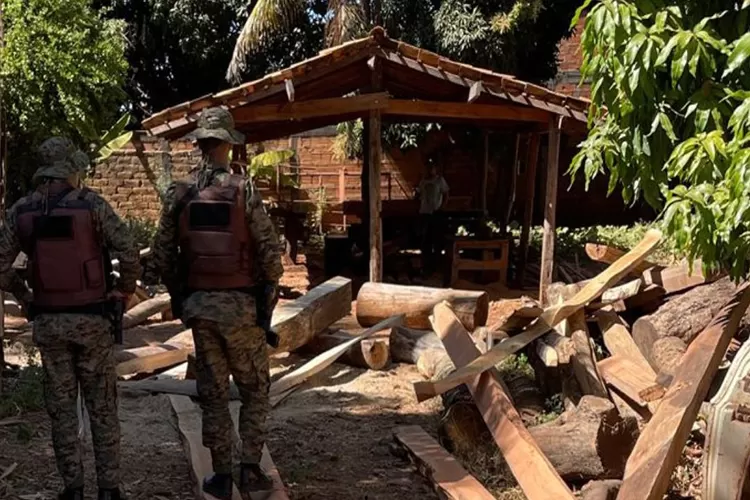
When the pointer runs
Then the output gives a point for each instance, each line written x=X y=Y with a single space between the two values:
x=289 y=85
x=660 y=445
x=680 y=278
x=619 y=342
x=485 y=171
x=448 y=477
x=549 y=318
x=475 y=91
x=550 y=209
x=145 y=310
x=474 y=112
x=626 y=377
x=531 y=468
x=375 y=151
x=152 y=362
x=607 y=254
x=528 y=209
x=584 y=361
x=316 y=108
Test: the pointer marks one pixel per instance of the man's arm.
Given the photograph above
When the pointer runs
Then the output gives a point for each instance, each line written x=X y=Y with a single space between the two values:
x=10 y=247
x=162 y=262
x=119 y=240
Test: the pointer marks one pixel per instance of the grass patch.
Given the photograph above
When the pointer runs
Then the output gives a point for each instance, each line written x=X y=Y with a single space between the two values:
x=23 y=394
x=142 y=230
x=516 y=364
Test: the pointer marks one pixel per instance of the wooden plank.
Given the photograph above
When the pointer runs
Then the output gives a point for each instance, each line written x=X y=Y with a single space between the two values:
x=679 y=278
x=302 y=110
x=607 y=254
x=584 y=361
x=660 y=445
x=627 y=377
x=549 y=318
x=141 y=312
x=153 y=362
x=289 y=86
x=528 y=210
x=531 y=468
x=375 y=152
x=465 y=111
x=619 y=342
x=450 y=480
x=323 y=361
x=550 y=209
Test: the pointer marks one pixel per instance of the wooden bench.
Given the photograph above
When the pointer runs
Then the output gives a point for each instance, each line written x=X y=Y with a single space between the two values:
x=493 y=256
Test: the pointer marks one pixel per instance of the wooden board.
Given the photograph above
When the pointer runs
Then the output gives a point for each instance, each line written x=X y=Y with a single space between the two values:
x=323 y=361
x=679 y=278
x=450 y=480
x=549 y=318
x=627 y=377
x=659 y=448
x=153 y=362
x=533 y=471
x=584 y=361
x=618 y=340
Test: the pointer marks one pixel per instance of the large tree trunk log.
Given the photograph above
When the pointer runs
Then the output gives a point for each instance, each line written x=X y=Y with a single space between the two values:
x=295 y=322
x=682 y=317
x=408 y=345
x=372 y=354
x=377 y=301
x=144 y=310
x=589 y=442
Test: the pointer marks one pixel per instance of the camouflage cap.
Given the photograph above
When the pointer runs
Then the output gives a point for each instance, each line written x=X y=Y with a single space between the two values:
x=57 y=159
x=216 y=123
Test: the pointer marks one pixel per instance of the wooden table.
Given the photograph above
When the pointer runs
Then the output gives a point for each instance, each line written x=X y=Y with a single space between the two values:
x=490 y=255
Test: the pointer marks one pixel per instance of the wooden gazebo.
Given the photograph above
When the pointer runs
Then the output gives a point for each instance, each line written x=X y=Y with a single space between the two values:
x=377 y=78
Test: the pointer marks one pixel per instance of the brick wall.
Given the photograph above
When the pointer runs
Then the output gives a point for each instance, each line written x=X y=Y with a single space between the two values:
x=570 y=59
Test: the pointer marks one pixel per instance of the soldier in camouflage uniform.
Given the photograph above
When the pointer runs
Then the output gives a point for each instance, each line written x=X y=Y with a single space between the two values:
x=216 y=239
x=75 y=341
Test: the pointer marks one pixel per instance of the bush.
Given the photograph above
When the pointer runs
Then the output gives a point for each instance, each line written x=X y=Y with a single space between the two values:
x=143 y=231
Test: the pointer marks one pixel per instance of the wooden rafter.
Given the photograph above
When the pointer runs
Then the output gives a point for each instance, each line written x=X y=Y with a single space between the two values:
x=310 y=109
x=439 y=109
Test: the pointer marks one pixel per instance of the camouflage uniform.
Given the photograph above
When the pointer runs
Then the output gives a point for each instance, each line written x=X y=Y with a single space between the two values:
x=76 y=348
x=227 y=337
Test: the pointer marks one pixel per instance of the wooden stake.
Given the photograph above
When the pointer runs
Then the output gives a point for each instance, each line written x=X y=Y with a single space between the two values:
x=550 y=209
x=659 y=448
x=374 y=167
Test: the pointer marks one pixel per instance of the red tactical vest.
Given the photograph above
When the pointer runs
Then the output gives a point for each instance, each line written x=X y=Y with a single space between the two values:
x=66 y=256
x=213 y=235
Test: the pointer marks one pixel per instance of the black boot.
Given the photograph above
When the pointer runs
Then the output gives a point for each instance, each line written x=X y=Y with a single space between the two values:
x=112 y=494
x=253 y=478
x=71 y=494
x=219 y=485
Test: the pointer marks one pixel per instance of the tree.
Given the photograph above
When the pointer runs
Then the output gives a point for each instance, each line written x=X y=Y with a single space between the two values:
x=670 y=117
x=178 y=50
x=62 y=66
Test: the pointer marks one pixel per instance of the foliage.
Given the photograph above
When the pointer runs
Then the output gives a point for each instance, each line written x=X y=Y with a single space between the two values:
x=62 y=64
x=142 y=230
x=319 y=199
x=179 y=49
x=348 y=142
x=517 y=364
x=673 y=77
x=104 y=145
x=264 y=166
x=24 y=393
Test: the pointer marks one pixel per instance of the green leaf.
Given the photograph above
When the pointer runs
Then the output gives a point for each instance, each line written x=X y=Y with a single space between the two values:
x=739 y=55
x=579 y=11
x=113 y=145
x=666 y=125
x=117 y=129
x=667 y=50
x=678 y=66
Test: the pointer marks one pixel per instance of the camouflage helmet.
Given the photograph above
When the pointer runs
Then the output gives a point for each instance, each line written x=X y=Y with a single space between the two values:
x=57 y=159
x=216 y=123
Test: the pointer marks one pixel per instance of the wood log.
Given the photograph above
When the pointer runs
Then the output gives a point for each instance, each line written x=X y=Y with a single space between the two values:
x=683 y=317
x=666 y=354
x=295 y=322
x=533 y=471
x=680 y=278
x=372 y=354
x=547 y=354
x=591 y=441
x=584 y=362
x=563 y=346
x=605 y=489
x=144 y=310
x=407 y=345
x=551 y=317
x=608 y=255
x=448 y=477
x=378 y=301
x=528 y=311
x=659 y=447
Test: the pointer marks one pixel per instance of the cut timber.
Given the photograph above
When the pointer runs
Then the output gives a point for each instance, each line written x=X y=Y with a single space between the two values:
x=408 y=345
x=601 y=490
x=659 y=448
x=563 y=346
x=533 y=471
x=608 y=255
x=528 y=311
x=323 y=361
x=618 y=341
x=547 y=354
x=551 y=317
x=301 y=110
x=584 y=362
x=683 y=317
x=644 y=302
x=153 y=362
x=377 y=301
x=450 y=480
x=372 y=354
x=627 y=378
x=679 y=278
x=144 y=310
x=460 y=110
x=666 y=355
x=295 y=322
x=550 y=208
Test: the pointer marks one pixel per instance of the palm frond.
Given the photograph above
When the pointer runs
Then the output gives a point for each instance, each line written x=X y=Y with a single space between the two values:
x=267 y=17
x=347 y=22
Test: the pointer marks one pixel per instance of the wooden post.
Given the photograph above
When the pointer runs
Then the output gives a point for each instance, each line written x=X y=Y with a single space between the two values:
x=550 y=209
x=528 y=211
x=342 y=185
x=3 y=172
x=374 y=164
x=485 y=171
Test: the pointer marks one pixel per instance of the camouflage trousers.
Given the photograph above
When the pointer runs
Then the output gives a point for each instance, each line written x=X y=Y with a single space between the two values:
x=77 y=349
x=220 y=350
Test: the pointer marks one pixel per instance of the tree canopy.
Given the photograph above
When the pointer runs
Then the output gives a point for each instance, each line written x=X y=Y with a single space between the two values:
x=62 y=66
x=670 y=118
